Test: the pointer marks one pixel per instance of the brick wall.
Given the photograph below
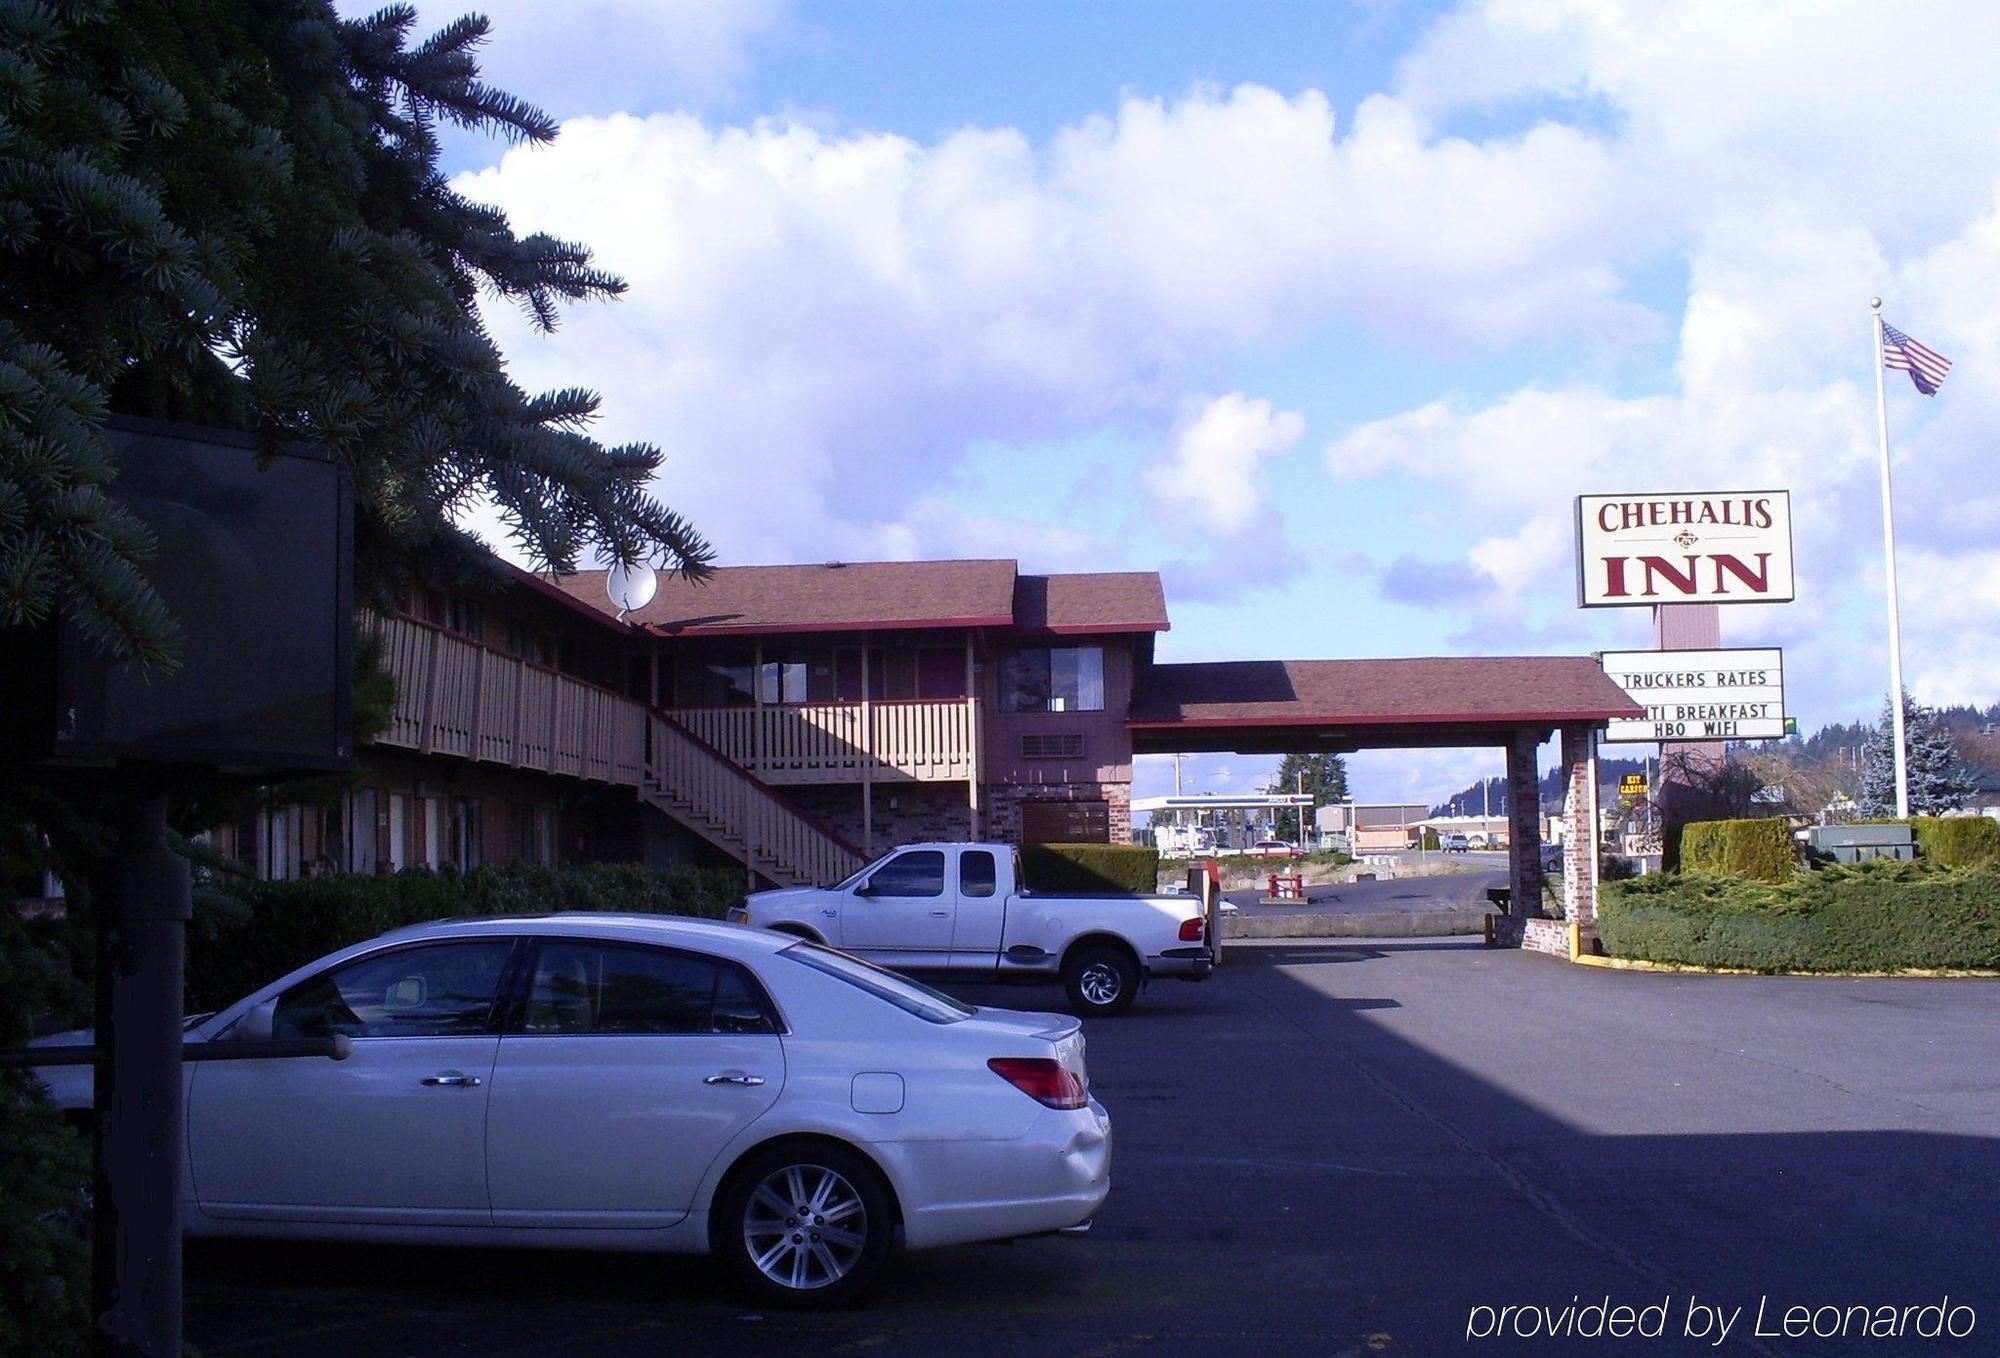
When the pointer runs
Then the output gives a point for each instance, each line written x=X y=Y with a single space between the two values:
x=1579 y=834
x=904 y=813
x=1546 y=935
x=1000 y=815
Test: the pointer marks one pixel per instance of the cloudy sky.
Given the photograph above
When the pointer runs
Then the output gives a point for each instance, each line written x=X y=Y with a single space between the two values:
x=1324 y=311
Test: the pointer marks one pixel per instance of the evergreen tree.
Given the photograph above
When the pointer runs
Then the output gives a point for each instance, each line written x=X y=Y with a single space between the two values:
x=231 y=212
x=1322 y=776
x=1939 y=780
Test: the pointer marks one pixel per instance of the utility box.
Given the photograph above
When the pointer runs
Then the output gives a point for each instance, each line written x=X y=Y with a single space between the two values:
x=1859 y=843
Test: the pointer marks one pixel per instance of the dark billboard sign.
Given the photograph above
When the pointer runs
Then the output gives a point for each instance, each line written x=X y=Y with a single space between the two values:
x=254 y=561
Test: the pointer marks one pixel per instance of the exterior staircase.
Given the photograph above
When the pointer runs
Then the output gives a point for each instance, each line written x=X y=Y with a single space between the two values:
x=457 y=698
x=703 y=789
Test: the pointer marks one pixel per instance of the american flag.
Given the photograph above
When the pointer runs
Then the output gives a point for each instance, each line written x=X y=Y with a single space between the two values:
x=1900 y=353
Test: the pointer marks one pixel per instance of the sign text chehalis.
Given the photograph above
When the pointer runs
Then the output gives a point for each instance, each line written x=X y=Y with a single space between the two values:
x=1703 y=547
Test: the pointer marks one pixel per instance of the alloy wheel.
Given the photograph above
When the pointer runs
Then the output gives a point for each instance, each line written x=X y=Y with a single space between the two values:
x=805 y=1227
x=1100 y=982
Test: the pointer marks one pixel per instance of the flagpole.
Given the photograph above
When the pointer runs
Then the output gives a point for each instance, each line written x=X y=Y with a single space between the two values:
x=1889 y=569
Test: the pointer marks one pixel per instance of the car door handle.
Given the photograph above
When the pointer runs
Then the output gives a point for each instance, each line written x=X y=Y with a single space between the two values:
x=940 y=914
x=451 y=1077
x=733 y=1077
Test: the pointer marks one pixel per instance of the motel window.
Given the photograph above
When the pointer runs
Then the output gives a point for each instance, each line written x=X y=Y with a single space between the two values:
x=362 y=808
x=1053 y=679
x=534 y=835
x=434 y=827
x=466 y=832
x=428 y=604
x=720 y=679
x=847 y=674
x=466 y=617
x=400 y=822
x=783 y=680
x=940 y=671
x=281 y=847
x=531 y=643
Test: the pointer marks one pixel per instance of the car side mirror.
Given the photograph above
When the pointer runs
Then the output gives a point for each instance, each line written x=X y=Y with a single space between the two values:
x=255 y=1026
x=867 y=888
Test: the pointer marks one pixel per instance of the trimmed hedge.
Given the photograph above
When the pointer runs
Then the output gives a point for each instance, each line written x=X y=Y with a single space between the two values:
x=1128 y=869
x=1876 y=916
x=1755 y=850
x=247 y=934
x=1957 y=841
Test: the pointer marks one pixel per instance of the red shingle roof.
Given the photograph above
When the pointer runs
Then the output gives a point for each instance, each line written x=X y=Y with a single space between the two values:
x=1471 y=690
x=1124 y=601
x=887 y=596
x=874 y=595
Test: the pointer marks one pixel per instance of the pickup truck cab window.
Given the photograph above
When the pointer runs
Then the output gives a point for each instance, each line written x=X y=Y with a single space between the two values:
x=918 y=873
x=977 y=874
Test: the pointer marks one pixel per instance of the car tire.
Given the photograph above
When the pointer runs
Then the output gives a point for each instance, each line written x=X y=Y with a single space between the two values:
x=1100 y=980
x=809 y=1224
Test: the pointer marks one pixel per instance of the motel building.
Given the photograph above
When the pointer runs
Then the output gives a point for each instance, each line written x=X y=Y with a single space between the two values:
x=800 y=720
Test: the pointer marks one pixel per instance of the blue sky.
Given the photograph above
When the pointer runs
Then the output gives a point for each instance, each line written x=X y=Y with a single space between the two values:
x=1326 y=311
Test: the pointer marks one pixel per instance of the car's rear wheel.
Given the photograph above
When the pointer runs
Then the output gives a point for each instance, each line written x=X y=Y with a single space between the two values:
x=805 y=1225
x=1101 y=981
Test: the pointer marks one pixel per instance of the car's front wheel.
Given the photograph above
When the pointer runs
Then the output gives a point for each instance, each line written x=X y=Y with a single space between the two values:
x=1100 y=981
x=805 y=1225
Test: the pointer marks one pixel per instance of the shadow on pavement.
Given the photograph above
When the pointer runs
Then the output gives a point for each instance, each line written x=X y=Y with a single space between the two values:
x=1301 y=1169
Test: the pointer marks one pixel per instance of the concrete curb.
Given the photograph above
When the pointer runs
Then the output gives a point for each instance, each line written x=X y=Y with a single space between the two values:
x=1387 y=924
x=1690 y=969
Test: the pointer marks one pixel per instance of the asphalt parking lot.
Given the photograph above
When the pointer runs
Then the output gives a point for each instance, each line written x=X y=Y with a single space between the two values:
x=1345 y=1149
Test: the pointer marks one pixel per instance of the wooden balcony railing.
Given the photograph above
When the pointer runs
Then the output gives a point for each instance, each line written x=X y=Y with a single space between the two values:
x=456 y=697
x=920 y=741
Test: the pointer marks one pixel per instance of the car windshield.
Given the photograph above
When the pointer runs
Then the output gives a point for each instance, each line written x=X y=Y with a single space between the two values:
x=933 y=1006
x=866 y=868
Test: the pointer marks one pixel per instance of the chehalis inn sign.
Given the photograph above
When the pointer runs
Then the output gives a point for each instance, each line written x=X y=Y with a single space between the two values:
x=1706 y=547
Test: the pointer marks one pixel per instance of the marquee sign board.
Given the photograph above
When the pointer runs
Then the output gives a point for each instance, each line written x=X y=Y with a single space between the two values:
x=1700 y=695
x=1706 y=547
x=1632 y=785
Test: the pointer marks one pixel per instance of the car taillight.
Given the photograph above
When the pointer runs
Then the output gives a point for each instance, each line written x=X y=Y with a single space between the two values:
x=1042 y=1079
x=1191 y=930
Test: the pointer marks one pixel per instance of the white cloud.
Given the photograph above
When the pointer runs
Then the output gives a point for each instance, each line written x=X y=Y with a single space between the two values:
x=1211 y=474
x=1775 y=390
x=833 y=320
x=603 y=56
x=1419 y=775
x=1802 y=157
x=1869 y=113
x=822 y=323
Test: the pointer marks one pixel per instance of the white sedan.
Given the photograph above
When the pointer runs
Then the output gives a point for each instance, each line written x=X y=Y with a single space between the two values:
x=638 y=1083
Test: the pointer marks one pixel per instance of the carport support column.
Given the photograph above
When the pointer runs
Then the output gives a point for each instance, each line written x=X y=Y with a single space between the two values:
x=1524 y=825
x=1579 y=759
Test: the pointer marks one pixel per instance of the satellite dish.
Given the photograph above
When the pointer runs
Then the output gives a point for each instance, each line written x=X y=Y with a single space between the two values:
x=631 y=587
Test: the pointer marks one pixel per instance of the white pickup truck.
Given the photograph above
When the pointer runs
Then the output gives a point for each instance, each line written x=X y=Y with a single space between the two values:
x=962 y=908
